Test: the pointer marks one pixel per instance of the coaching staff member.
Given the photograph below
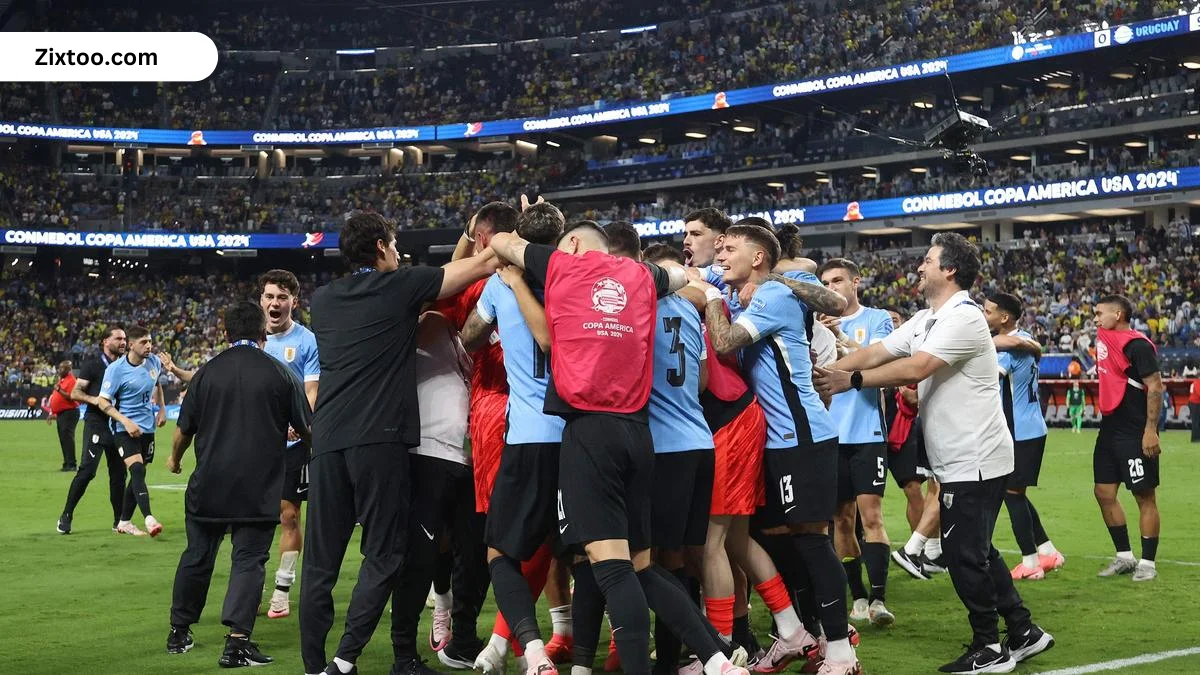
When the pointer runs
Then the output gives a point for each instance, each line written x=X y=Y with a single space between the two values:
x=948 y=351
x=238 y=409
x=97 y=436
x=366 y=421
x=601 y=312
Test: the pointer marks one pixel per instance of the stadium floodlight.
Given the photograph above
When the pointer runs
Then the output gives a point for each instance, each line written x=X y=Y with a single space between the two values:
x=923 y=102
x=776 y=184
x=1191 y=62
x=650 y=137
x=1124 y=73
x=1076 y=151
x=1135 y=143
x=1019 y=158
x=553 y=144
x=919 y=169
x=747 y=126
x=696 y=132
x=355 y=52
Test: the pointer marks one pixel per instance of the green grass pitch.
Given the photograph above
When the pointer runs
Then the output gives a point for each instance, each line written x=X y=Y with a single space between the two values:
x=94 y=602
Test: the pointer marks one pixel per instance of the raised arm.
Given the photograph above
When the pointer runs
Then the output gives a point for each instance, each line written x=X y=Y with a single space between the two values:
x=462 y=273
x=531 y=309
x=169 y=364
x=509 y=248
x=818 y=298
x=1016 y=343
x=726 y=337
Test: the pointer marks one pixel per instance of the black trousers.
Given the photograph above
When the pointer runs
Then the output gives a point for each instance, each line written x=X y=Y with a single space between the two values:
x=66 y=422
x=98 y=442
x=251 y=548
x=369 y=485
x=1195 y=411
x=980 y=577
x=442 y=503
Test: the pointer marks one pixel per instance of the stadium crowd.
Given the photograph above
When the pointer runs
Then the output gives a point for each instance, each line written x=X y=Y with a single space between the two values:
x=1060 y=276
x=714 y=52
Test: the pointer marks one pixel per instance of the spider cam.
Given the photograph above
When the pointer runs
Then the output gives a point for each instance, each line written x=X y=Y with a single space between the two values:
x=954 y=135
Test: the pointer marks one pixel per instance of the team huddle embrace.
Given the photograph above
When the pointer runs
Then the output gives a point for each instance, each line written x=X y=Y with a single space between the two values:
x=672 y=429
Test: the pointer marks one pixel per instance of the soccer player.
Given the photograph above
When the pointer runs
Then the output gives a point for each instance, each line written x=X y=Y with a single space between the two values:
x=683 y=443
x=441 y=474
x=600 y=310
x=294 y=346
x=948 y=350
x=1127 y=448
x=801 y=456
x=97 y=436
x=366 y=421
x=489 y=400
x=1018 y=355
x=862 y=452
x=1075 y=401
x=128 y=394
x=522 y=514
x=703 y=231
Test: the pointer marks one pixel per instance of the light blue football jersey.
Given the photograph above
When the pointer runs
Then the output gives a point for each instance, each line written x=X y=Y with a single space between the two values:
x=131 y=389
x=676 y=417
x=297 y=349
x=859 y=414
x=526 y=367
x=1019 y=385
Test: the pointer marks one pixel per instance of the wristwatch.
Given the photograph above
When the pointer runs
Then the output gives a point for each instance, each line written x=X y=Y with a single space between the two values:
x=856 y=380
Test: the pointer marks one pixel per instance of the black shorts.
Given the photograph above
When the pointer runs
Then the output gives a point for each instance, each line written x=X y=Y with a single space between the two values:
x=1027 y=462
x=862 y=470
x=1119 y=459
x=606 y=478
x=128 y=446
x=521 y=514
x=683 y=484
x=295 y=484
x=903 y=464
x=801 y=484
x=97 y=439
x=437 y=484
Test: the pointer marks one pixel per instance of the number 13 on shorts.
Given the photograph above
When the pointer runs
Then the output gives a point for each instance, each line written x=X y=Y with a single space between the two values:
x=786 y=496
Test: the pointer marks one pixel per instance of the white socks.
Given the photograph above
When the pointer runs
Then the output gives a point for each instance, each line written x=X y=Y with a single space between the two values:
x=343 y=665
x=1047 y=548
x=714 y=664
x=561 y=618
x=840 y=650
x=1126 y=555
x=787 y=622
x=286 y=574
x=995 y=646
x=1147 y=563
x=499 y=644
x=535 y=651
x=915 y=544
x=933 y=548
x=443 y=601
x=581 y=670
x=1030 y=561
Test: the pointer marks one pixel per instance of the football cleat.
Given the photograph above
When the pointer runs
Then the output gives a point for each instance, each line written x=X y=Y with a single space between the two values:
x=1032 y=573
x=281 y=606
x=861 y=610
x=1033 y=642
x=1052 y=562
x=1145 y=572
x=1118 y=565
x=910 y=564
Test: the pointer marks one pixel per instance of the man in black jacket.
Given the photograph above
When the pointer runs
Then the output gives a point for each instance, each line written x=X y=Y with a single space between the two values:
x=238 y=408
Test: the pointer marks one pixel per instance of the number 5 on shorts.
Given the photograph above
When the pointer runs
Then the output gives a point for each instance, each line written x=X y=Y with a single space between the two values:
x=786 y=496
x=882 y=468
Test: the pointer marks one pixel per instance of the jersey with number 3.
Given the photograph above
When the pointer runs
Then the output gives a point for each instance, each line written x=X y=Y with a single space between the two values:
x=526 y=365
x=676 y=416
x=1019 y=390
x=131 y=389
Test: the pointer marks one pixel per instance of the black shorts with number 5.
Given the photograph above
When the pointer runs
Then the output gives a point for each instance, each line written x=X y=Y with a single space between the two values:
x=862 y=470
x=802 y=484
x=1119 y=459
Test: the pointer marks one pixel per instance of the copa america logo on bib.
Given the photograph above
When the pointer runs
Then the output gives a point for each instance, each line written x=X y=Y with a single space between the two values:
x=608 y=296
x=1101 y=350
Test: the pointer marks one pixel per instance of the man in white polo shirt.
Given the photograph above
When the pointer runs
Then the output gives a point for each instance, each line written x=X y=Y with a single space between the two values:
x=948 y=350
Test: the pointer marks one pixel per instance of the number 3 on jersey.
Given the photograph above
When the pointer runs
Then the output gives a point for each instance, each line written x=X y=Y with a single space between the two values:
x=676 y=377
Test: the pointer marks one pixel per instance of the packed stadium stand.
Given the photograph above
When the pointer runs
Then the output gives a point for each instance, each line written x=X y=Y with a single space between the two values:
x=1127 y=110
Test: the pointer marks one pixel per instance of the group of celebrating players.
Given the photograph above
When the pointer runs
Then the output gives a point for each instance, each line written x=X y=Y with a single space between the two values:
x=669 y=428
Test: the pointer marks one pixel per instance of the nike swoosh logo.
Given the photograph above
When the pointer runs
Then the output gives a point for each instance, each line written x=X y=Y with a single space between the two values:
x=562 y=528
x=427 y=532
x=828 y=604
x=301 y=489
x=946 y=534
x=1135 y=480
x=878 y=483
x=788 y=509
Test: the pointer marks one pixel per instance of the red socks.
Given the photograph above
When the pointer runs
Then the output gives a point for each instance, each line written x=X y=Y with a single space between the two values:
x=775 y=594
x=720 y=614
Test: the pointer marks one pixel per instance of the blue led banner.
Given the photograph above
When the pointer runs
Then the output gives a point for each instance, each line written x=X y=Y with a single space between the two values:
x=1000 y=197
x=176 y=240
x=199 y=137
x=959 y=63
